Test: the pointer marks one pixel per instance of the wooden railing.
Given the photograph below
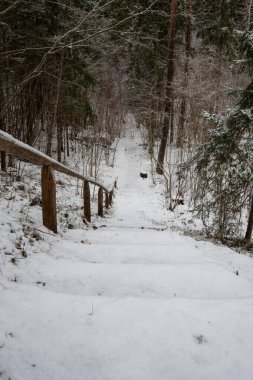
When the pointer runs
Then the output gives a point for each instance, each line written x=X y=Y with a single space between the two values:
x=25 y=152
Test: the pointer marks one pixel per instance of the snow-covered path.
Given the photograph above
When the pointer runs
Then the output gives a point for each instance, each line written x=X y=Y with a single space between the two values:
x=131 y=300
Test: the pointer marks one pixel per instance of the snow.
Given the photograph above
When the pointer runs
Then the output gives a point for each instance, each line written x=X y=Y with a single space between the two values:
x=131 y=299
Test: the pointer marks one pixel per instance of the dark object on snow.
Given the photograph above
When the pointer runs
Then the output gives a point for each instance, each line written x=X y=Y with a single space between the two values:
x=30 y=231
x=23 y=253
x=178 y=201
x=143 y=175
x=200 y=339
x=36 y=201
x=21 y=187
x=41 y=283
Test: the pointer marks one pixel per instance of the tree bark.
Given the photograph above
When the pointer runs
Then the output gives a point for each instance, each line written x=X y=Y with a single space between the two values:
x=57 y=123
x=172 y=114
x=182 y=117
x=3 y=161
x=2 y=127
x=249 y=14
x=3 y=154
x=250 y=224
x=169 y=87
x=67 y=139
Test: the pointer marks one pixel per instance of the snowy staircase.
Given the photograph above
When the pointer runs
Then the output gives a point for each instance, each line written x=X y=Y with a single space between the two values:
x=131 y=300
x=116 y=262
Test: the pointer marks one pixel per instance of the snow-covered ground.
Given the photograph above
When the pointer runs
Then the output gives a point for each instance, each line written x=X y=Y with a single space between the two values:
x=130 y=300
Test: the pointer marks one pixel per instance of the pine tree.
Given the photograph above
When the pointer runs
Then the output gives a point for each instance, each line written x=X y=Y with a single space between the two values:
x=225 y=164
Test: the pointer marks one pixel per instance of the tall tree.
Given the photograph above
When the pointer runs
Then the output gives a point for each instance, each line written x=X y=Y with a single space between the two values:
x=188 y=36
x=169 y=87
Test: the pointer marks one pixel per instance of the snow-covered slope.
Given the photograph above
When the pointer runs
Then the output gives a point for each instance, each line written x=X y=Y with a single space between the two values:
x=129 y=300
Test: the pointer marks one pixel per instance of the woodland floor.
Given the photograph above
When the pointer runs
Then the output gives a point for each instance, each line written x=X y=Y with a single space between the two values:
x=131 y=300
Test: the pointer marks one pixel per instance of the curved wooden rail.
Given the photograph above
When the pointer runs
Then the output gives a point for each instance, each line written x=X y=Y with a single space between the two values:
x=25 y=152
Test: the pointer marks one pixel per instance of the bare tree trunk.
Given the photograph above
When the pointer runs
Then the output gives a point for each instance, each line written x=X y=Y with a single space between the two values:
x=67 y=139
x=3 y=161
x=169 y=87
x=49 y=140
x=49 y=135
x=172 y=114
x=2 y=127
x=250 y=223
x=57 y=123
x=59 y=141
x=151 y=131
x=249 y=14
x=182 y=117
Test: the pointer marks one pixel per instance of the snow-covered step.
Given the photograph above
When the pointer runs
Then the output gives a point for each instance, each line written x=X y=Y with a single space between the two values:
x=58 y=336
x=144 y=254
x=208 y=281
x=130 y=253
x=121 y=235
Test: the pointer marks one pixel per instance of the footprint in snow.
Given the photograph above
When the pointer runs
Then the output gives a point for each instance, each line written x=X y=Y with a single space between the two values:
x=200 y=339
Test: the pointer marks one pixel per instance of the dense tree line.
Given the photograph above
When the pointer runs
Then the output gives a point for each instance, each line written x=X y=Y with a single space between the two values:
x=55 y=78
x=70 y=69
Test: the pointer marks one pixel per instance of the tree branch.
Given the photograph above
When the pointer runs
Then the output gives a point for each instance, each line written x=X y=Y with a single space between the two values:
x=9 y=8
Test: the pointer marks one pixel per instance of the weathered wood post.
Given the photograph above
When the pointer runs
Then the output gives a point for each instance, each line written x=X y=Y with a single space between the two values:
x=86 y=200
x=100 y=202
x=107 y=203
x=110 y=197
x=48 y=186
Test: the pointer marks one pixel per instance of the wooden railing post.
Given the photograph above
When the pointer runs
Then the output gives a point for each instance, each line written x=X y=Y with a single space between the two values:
x=110 y=197
x=86 y=200
x=107 y=202
x=100 y=202
x=48 y=187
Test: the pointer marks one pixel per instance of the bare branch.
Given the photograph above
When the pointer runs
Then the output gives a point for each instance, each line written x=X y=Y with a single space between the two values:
x=10 y=8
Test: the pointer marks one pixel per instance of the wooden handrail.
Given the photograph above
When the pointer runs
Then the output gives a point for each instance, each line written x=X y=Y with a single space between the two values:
x=25 y=152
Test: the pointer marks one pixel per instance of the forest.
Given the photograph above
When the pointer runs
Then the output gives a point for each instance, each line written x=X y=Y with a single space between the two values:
x=126 y=189
x=71 y=70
